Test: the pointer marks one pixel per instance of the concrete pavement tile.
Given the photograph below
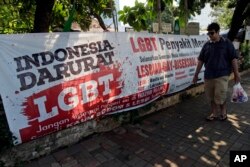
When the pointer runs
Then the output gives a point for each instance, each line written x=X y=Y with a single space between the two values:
x=149 y=165
x=247 y=130
x=32 y=164
x=180 y=133
x=207 y=161
x=160 y=134
x=55 y=164
x=94 y=152
x=116 y=139
x=158 y=161
x=158 y=165
x=147 y=144
x=223 y=126
x=82 y=155
x=169 y=156
x=233 y=137
x=115 y=150
x=227 y=134
x=98 y=138
x=74 y=149
x=214 y=156
x=100 y=157
x=224 y=162
x=216 y=137
x=244 y=138
x=207 y=128
x=60 y=155
x=171 y=163
x=201 y=164
x=182 y=148
x=193 y=154
x=78 y=165
x=124 y=155
x=149 y=128
x=173 y=154
x=89 y=162
x=141 y=150
x=129 y=147
x=90 y=145
x=103 y=156
x=195 y=146
x=157 y=149
x=136 y=135
x=46 y=165
x=223 y=149
x=112 y=163
x=107 y=145
x=108 y=155
x=124 y=165
x=246 y=147
x=136 y=161
x=203 y=148
x=46 y=160
x=188 y=162
x=141 y=163
x=236 y=146
x=69 y=162
x=147 y=155
x=84 y=158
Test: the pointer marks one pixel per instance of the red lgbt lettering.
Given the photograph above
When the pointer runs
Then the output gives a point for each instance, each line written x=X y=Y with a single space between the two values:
x=143 y=44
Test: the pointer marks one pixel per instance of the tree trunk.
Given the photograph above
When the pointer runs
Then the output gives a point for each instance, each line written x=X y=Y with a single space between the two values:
x=101 y=22
x=43 y=15
x=238 y=18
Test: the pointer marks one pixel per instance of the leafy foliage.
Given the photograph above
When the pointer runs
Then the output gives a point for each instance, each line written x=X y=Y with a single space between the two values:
x=18 y=16
x=141 y=16
x=132 y=16
x=85 y=10
x=245 y=51
x=14 y=18
x=167 y=15
x=223 y=14
x=138 y=16
x=88 y=9
x=60 y=13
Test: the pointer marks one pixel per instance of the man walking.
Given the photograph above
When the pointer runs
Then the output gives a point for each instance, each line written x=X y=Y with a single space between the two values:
x=220 y=58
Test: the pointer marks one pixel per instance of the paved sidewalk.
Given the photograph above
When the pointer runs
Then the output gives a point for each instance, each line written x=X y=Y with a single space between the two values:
x=177 y=136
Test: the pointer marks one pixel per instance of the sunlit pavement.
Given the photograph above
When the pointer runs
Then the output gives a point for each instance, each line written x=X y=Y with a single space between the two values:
x=176 y=136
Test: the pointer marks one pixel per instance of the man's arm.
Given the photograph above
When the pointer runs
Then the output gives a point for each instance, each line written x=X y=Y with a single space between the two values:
x=235 y=71
x=197 y=71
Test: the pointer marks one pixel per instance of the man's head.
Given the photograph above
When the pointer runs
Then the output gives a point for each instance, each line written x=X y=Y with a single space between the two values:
x=213 y=30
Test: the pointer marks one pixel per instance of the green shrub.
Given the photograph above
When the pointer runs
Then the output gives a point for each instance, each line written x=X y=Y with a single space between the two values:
x=245 y=51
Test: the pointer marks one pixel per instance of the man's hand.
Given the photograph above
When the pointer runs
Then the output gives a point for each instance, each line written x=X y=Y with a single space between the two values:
x=195 y=79
x=197 y=71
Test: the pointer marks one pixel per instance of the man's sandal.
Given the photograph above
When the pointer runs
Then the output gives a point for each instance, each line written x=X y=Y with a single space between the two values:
x=223 y=117
x=211 y=118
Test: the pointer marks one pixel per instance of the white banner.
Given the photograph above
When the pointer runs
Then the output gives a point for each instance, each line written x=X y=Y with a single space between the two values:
x=51 y=81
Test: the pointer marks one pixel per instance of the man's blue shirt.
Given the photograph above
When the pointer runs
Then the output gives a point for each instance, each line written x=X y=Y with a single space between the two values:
x=217 y=58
